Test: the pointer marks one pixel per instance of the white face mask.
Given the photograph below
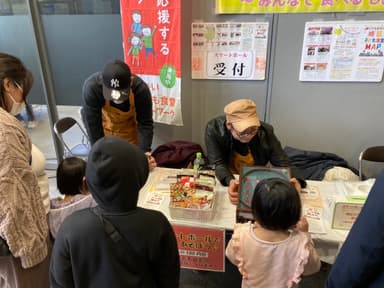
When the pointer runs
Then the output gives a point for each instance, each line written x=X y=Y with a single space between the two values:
x=16 y=107
x=116 y=97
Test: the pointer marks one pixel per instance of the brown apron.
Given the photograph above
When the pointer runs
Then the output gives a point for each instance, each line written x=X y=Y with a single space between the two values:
x=119 y=123
x=237 y=161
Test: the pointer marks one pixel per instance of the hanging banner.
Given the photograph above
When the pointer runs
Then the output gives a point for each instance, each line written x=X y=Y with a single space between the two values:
x=343 y=51
x=151 y=42
x=229 y=50
x=296 y=6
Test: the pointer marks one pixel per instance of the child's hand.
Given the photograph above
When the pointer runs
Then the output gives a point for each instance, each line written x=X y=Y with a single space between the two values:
x=302 y=225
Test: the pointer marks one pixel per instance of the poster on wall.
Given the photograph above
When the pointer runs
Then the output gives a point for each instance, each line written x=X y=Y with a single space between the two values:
x=229 y=50
x=294 y=6
x=343 y=51
x=151 y=42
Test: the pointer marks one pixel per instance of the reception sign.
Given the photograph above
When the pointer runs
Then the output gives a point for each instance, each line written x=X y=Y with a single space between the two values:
x=200 y=248
x=229 y=50
x=151 y=41
x=296 y=6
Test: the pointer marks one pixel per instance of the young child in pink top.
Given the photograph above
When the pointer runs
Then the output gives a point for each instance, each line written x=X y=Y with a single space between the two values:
x=70 y=176
x=277 y=249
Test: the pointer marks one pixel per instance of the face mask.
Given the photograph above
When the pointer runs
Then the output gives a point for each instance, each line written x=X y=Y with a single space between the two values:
x=16 y=107
x=116 y=97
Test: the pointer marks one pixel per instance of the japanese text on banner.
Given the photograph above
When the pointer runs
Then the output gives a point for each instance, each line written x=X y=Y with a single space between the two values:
x=151 y=41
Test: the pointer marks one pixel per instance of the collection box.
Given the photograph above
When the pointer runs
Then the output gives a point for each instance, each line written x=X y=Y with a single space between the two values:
x=193 y=197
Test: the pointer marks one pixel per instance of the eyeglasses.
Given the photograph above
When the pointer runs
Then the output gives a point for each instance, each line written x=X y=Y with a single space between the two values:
x=247 y=133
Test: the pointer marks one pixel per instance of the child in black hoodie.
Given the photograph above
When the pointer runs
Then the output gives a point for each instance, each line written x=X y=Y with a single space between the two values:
x=117 y=244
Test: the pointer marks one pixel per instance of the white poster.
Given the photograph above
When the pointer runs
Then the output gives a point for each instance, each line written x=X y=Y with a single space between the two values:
x=229 y=50
x=343 y=51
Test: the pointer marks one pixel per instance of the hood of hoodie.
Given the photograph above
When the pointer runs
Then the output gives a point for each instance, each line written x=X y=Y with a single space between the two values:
x=116 y=171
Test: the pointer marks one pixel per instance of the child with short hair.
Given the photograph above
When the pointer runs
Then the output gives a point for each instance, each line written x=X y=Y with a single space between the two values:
x=70 y=179
x=277 y=249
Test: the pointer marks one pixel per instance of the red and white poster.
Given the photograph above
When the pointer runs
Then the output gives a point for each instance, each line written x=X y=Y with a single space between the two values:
x=151 y=42
x=201 y=248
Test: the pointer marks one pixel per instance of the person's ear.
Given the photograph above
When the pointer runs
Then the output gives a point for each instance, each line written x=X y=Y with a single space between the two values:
x=7 y=84
x=84 y=189
x=229 y=126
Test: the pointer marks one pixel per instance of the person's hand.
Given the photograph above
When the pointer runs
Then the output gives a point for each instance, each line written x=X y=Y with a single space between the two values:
x=302 y=225
x=151 y=161
x=296 y=184
x=233 y=191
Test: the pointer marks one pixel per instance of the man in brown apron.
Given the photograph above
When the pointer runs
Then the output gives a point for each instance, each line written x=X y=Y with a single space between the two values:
x=118 y=103
x=239 y=138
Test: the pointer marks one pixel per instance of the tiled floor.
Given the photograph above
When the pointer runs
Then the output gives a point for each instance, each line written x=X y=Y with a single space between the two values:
x=42 y=137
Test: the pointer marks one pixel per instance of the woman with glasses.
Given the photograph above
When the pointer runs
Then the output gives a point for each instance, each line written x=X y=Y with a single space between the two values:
x=239 y=138
x=24 y=260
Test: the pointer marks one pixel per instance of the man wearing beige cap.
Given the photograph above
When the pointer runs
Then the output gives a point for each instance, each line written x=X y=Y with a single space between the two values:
x=239 y=138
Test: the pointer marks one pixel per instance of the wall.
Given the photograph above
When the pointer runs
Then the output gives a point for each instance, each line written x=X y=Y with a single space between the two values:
x=341 y=118
x=210 y=96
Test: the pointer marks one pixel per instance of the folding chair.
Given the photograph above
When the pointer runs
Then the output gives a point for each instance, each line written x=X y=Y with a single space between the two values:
x=67 y=129
x=373 y=154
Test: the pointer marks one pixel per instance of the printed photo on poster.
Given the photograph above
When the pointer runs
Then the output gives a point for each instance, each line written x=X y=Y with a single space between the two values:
x=343 y=51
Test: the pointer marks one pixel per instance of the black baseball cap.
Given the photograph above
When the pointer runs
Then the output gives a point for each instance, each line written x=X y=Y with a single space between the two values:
x=116 y=76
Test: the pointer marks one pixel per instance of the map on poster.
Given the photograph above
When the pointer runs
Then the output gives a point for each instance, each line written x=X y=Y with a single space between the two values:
x=343 y=51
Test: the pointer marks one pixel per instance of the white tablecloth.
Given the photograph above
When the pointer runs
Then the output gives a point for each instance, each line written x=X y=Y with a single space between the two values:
x=327 y=244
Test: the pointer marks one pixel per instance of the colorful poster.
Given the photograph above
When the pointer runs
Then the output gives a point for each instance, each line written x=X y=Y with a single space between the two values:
x=295 y=6
x=151 y=42
x=229 y=50
x=200 y=248
x=343 y=51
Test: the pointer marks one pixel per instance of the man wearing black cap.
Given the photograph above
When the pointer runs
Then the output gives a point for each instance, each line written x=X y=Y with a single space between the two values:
x=116 y=102
x=116 y=244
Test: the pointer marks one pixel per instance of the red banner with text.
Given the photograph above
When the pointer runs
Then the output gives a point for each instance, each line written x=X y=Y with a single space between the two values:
x=151 y=42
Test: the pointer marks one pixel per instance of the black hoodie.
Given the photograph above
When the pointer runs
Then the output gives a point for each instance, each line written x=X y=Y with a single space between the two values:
x=85 y=256
x=115 y=174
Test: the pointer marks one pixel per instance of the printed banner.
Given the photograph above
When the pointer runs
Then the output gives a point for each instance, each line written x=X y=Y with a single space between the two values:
x=229 y=50
x=200 y=248
x=343 y=51
x=296 y=6
x=151 y=42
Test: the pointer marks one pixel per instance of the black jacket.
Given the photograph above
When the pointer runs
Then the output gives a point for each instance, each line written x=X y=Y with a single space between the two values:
x=264 y=146
x=314 y=164
x=84 y=255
